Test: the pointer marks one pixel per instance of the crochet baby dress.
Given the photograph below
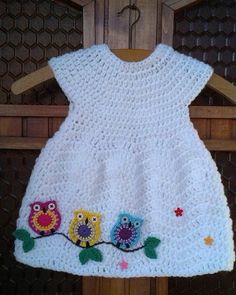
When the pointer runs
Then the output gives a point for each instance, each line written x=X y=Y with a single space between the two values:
x=126 y=187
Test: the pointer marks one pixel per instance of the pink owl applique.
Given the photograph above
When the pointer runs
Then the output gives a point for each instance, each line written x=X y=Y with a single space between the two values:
x=44 y=217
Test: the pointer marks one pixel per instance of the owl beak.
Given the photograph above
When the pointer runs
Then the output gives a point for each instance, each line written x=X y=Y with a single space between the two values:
x=130 y=224
x=44 y=210
x=86 y=220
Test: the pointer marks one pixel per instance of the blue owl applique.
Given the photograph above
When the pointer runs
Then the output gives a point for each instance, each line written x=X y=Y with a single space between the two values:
x=126 y=231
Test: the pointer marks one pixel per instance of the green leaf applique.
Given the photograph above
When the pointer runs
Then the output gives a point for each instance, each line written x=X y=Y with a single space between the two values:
x=28 y=245
x=150 y=245
x=23 y=235
x=90 y=253
x=150 y=253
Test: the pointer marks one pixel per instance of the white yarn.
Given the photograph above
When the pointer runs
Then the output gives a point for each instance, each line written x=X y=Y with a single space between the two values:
x=127 y=144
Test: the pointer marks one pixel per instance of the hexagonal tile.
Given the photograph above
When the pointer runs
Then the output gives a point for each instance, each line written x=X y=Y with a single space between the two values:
x=205 y=41
x=205 y=12
x=29 y=8
x=51 y=51
x=75 y=12
x=3 y=67
x=51 y=23
x=197 y=53
x=14 y=8
x=192 y=13
x=29 y=38
x=29 y=67
x=7 y=22
x=60 y=10
x=226 y=56
x=7 y=52
x=15 y=67
x=44 y=8
x=232 y=184
x=9 y=203
x=212 y=55
x=14 y=38
x=219 y=41
x=4 y=217
x=219 y=12
x=59 y=38
x=219 y=69
x=232 y=71
x=74 y=39
x=6 y=83
x=3 y=8
x=232 y=41
x=213 y=26
x=79 y=24
x=3 y=96
x=199 y=26
x=227 y=170
x=3 y=37
x=191 y=41
x=182 y=26
x=36 y=23
x=36 y=53
x=22 y=53
x=22 y=23
x=66 y=24
x=232 y=12
x=233 y=158
x=44 y=38
x=228 y=26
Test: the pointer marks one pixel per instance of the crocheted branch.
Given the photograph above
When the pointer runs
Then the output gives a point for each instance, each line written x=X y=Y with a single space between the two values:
x=96 y=244
x=89 y=252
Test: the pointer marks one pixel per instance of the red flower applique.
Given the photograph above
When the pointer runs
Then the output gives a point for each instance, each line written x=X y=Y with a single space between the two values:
x=179 y=212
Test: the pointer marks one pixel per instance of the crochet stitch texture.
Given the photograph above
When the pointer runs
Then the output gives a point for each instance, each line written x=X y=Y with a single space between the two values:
x=127 y=151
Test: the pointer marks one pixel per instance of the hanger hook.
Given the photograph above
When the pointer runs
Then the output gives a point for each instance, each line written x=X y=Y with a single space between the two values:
x=133 y=7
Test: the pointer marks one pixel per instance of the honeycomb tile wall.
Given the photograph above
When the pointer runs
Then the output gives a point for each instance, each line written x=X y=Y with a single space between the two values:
x=30 y=33
x=207 y=32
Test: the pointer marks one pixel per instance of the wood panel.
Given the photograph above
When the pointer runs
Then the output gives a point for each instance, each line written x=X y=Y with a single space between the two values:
x=116 y=27
x=167 y=25
x=89 y=24
x=146 y=31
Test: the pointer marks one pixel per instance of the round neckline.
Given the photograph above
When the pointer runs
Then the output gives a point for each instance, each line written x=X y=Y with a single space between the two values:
x=158 y=54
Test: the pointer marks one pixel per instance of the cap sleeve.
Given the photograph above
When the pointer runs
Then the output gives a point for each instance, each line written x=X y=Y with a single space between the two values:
x=68 y=71
x=196 y=73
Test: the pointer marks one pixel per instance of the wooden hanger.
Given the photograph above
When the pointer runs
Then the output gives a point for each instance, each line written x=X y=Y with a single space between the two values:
x=216 y=82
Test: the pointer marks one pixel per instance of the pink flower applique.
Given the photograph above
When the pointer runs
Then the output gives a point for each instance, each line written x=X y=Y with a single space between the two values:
x=123 y=264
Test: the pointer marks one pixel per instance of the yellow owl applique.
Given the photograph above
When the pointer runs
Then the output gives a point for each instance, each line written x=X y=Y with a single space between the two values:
x=84 y=229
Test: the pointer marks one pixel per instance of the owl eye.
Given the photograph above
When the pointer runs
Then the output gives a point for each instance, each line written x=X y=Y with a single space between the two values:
x=36 y=207
x=94 y=219
x=51 y=206
x=137 y=224
x=80 y=216
x=125 y=219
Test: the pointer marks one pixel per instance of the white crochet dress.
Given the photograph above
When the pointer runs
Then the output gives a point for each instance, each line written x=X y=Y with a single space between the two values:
x=125 y=187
